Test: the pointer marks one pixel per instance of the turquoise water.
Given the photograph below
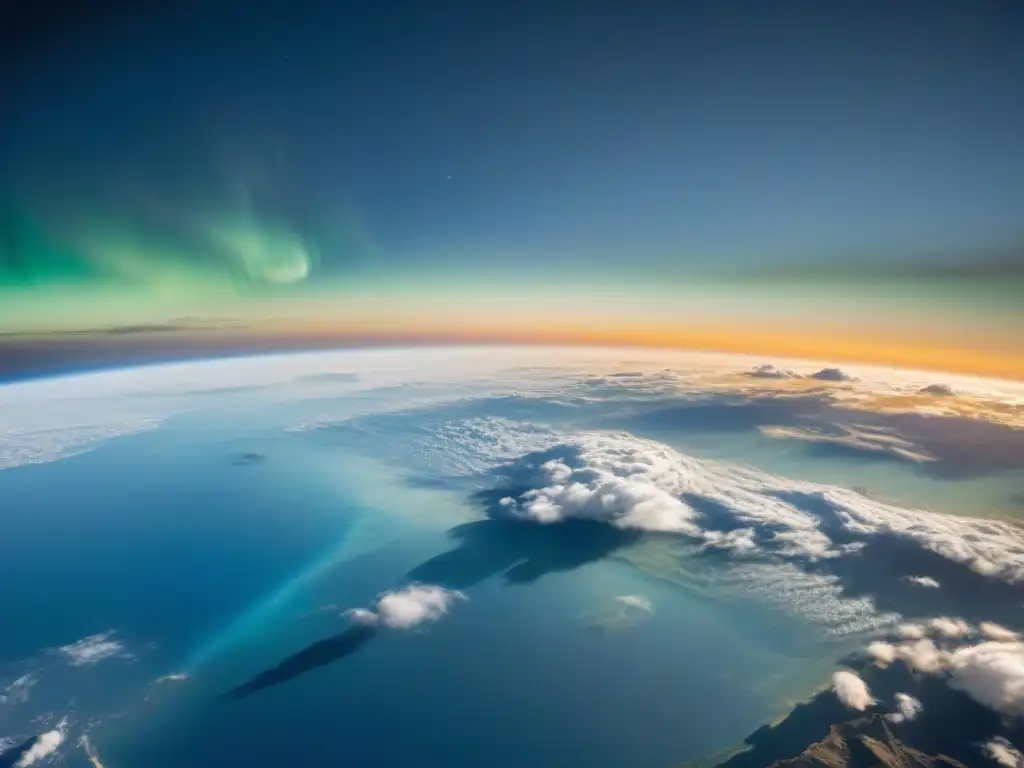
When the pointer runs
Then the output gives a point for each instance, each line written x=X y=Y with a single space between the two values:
x=221 y=545
x=220 y=570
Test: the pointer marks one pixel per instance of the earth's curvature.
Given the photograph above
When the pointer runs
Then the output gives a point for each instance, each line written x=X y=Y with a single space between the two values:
x=508 y=556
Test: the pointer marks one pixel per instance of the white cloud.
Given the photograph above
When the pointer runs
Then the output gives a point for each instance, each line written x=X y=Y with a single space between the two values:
x=44 y=746
x=90 y=751
x=17 y=691
x=362 y=616
x=43 y=442
x=872 y=440
x=771 y=372
x=556 y=471
x=739 y=540
x=992 y=674
x=924 y=656
x=634 y=483
x=948 y=627
x=883 y=654
x=176 y=677
x=994 y=631
x=602 y=494
x=912 y=631
x=851 y=690
x=907 y=708
x=636 y=601
x=1004 y=753
x=93 y=649
x=923 y=581
x=408 y=607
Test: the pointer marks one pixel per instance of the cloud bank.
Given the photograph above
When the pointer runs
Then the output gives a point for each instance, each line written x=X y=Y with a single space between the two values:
x=637 y=484
x=408 y=607
x=42 y=444
x=991 y=671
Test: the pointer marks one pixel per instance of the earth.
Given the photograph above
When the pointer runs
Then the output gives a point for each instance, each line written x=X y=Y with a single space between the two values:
x=511 y=556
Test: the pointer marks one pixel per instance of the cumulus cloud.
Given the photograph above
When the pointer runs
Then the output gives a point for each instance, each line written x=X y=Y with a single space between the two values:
x=93 y=649
x=1004 y=753
x=882 y=653
x=602 y=494
x=912 y=631
x=739 y=540
x=408 y=607
x=923 y=581
x=921 y=655
x=994 y=631
x=556 y=471
x=633 y=483
x=851 y=690
x=924 y=656
x=44 y=746
x=637 y=601
x=991 y=673
x=771 y=372
x=948 y=627
x=630 y=482
x=831 y=374
x=907 y=708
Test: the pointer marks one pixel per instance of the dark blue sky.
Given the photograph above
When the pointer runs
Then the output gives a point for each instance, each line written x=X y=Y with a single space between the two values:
x=693 y=133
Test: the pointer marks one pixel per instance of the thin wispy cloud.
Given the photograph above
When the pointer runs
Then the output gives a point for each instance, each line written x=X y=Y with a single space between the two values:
x=637 y=601
x=93 y=649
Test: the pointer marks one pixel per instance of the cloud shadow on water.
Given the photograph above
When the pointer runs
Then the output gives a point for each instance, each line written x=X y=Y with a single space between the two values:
x=717 y=414
x=319 y=654
x=520 y=551
x=880 y=570
x=12 y=756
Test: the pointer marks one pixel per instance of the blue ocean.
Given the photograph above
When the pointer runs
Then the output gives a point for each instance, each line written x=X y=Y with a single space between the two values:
x=217 y=551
